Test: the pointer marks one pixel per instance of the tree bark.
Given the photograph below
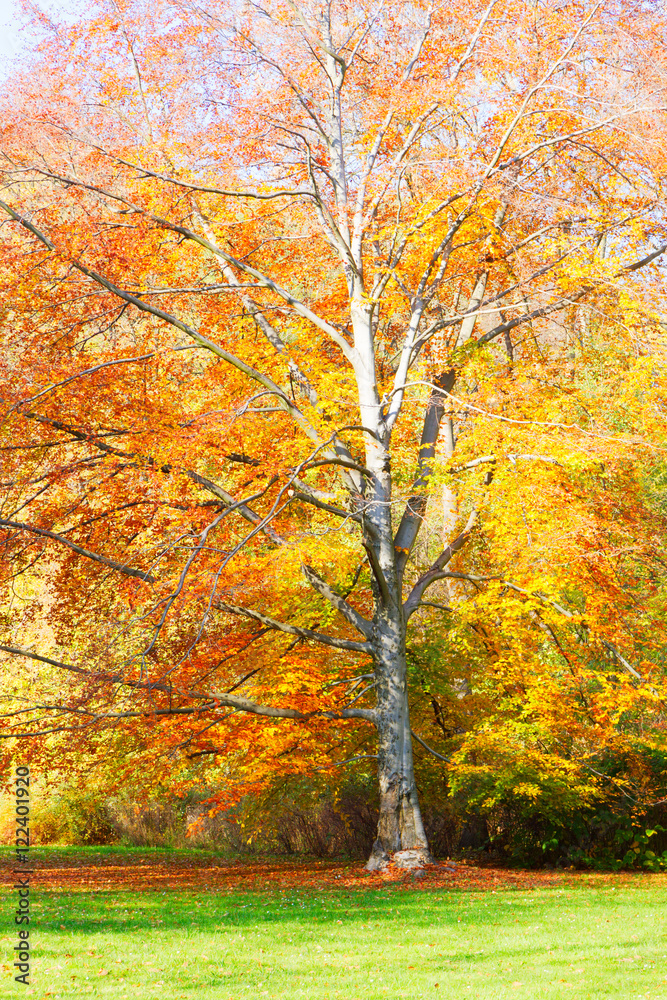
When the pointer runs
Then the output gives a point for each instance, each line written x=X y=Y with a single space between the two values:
x=400 y=836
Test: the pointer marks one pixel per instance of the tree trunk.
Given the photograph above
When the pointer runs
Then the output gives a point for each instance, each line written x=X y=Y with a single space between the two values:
x=400 y=835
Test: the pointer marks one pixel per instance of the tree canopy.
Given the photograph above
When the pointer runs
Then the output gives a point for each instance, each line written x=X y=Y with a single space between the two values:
x=333 y=386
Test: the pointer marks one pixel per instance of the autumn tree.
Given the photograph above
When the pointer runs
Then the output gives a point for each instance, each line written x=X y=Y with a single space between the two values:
x=331 y=328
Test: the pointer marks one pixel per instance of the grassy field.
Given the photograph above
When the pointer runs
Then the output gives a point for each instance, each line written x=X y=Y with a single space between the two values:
x=574 y=937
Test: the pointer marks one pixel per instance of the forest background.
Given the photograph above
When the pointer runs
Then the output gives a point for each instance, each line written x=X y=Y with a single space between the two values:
x=333 y=385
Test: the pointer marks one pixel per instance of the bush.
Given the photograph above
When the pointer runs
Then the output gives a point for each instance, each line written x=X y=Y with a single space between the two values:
x=306 y=816
x=72 y=816
x=543 y=808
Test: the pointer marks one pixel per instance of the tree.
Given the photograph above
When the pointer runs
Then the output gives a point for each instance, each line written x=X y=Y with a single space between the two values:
x=285 y=283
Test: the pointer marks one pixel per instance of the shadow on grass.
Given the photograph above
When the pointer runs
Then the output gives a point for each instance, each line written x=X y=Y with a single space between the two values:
x=509 y=929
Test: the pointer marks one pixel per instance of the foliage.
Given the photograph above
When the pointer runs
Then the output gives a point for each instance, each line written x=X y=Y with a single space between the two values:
x=334 y=393
x=73 y=816
x=563 y=808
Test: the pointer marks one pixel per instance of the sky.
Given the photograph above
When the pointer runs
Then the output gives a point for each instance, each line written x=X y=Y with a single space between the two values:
x=9 y=37
x=11 y=42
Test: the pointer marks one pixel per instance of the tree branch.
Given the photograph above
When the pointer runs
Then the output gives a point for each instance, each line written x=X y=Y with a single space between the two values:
x=303 y=633
x=245 y=705
x=492 y=459
x=110 y=563
x=415 y=508
x=553 y=604
x=340 y=604
x=427 y=747
x=434 y=573
x=283 y=401
x=473 y=41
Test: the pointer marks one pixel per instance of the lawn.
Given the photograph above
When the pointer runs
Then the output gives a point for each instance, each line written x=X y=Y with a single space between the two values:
x=185 y=925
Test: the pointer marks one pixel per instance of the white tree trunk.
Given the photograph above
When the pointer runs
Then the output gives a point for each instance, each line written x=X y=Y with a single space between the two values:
x=400 y=836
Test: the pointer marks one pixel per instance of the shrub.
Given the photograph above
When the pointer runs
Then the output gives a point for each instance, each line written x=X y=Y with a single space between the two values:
x=542 y=807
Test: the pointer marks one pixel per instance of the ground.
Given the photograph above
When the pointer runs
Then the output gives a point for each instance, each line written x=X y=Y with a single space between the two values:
x=118 y=923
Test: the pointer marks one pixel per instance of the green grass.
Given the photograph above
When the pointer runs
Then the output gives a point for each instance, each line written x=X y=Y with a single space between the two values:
x=606 y=940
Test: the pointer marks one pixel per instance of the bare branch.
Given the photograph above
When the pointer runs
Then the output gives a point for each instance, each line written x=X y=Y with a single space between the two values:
x=303 y=633
x=19 y=651
x=538 y=86
x=434 y=573
x=492 y=459
x=245 y=705
x=538 y=313
x=211 y=701
x=321 y=505
x=350 y=760
x=111 y=563
x=645 y=260
x=86 y=371
x=240 y=507
x=100 y=675
x=427 y=747
x=415 y=508
x=473 y=41
x=322 y=587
